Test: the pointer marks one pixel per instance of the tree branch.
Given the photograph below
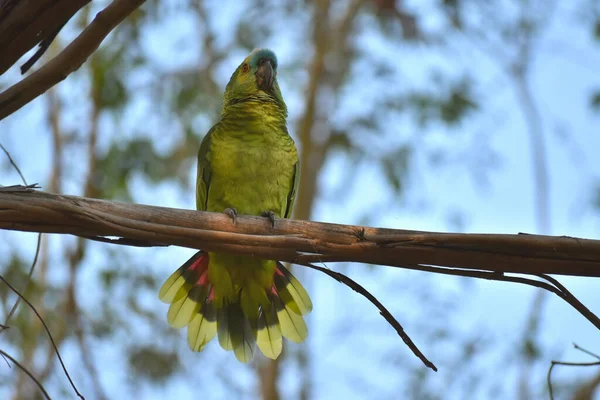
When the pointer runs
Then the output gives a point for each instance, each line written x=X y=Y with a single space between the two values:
x=25 y=23
x=26 y=371
x=586 y=390
x=55 y=347
x=296 y=241
x=69 y=60
x=382 y=310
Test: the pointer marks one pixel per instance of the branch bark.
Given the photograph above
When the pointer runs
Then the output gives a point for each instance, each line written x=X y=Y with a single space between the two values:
x=25 y=23
x=69 y=60
x=292 y=240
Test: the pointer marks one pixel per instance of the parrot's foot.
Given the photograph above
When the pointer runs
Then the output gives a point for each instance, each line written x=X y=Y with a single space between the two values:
x=232 y=212
x=270 y=215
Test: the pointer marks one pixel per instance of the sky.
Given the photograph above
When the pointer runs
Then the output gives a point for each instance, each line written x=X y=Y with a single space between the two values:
x=460 y=197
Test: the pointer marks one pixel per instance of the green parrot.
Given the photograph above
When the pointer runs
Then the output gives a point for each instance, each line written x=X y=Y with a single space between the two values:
x=247 y=164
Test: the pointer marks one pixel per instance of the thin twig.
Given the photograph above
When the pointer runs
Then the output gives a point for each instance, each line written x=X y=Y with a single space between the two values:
x=573 y=301
x=14 y=164
x=19 y=188
x=37 y=249
x=48 y=332
x=559 y=290
x=6 y=361
x=33 y=378
x=86 y=357
x=586 y=351
x=35 y=258
x=571 y=364
x=382 y=310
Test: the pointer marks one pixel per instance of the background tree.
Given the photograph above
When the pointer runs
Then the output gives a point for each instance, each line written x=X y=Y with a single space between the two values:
x=427 y=117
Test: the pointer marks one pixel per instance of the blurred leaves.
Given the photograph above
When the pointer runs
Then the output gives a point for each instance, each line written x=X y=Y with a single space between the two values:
x=595 y=101
x=140 y=156
x=392 y=12
x=395 y=166
x=152 y=364
x=14 y=270
x=595 y=199
x=451 y=104
x=530 y=349
x=454 y=10
x=107 y=79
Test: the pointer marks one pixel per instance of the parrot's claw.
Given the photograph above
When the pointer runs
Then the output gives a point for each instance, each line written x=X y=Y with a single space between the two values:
x=270 y=215
x=232 y=212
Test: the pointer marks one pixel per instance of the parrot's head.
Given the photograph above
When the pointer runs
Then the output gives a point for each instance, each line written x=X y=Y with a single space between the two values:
x=255 y=79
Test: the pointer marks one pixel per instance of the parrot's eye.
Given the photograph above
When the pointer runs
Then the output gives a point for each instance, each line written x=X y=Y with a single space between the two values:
x=245 y=68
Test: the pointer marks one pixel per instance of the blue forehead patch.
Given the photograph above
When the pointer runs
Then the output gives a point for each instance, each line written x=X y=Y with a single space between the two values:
x=258 y=54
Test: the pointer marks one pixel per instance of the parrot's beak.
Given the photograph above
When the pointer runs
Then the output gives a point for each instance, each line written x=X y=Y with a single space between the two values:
x=265 y=75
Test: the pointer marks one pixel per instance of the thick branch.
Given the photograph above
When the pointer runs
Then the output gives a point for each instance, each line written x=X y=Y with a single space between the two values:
x=69 y=60
x=296 y=241
x=25 y=23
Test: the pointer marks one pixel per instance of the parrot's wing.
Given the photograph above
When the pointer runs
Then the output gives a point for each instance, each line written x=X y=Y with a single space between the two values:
x=293 y=189
x=204 y=171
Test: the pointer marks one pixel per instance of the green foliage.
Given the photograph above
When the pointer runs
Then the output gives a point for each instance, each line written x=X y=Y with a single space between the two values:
x=140 y=156
x=531 y=349
x=104 y=323
x=451 y=104
x=595 y=101
x=14 y=270
x=107 y=79
x=396 y=165
x=457 y=104
x=152 y=364
x=596 y=195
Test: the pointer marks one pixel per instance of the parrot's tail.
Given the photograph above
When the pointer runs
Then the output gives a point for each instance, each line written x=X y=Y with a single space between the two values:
x=251 y=315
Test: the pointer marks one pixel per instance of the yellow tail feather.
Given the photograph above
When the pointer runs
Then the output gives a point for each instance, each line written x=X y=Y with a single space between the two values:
x=243 y=315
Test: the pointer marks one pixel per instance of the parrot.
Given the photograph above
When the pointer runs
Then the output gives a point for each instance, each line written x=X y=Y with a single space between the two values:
x=247 y=164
